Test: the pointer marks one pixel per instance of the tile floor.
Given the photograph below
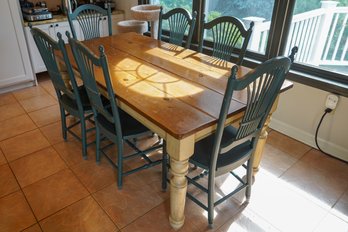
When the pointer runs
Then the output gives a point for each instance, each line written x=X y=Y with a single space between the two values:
x=45 y=185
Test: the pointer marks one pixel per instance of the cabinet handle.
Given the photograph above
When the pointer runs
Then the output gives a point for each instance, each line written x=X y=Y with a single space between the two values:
x=57 y=25
x=51 y=25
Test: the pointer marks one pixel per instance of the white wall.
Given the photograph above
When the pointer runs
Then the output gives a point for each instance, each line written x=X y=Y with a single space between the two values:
x=126 y=5
x=299 y=111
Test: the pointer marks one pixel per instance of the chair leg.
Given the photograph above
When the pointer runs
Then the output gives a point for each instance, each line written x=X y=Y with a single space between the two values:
x=84 y=138
x=97 y=144
x=164 y=167
x=119 y=165
x=63 y=120
x=211 y=190
x=249 y=181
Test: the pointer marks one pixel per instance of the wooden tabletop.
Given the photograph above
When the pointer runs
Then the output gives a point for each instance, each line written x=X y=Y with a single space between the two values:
x=177 y=89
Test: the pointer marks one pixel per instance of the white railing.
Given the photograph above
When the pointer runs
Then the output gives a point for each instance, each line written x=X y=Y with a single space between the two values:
x=320 y=34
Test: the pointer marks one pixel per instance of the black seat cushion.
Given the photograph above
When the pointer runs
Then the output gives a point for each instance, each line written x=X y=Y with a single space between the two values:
x=130 y=126
x=204 y=148
x=83 y=96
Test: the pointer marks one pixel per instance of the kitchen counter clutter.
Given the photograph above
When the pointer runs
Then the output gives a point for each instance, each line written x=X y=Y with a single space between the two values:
x=59 y=23
x=62 y=18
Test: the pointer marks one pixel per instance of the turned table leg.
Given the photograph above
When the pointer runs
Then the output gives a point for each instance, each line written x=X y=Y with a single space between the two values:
x=263 y=138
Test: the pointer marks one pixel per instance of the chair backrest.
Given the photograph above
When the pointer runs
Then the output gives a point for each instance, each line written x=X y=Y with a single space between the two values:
x=48 y=49
x=262 y=86
x=89 y=17
x=88 y=63
x=227 y=33
x=178 y=21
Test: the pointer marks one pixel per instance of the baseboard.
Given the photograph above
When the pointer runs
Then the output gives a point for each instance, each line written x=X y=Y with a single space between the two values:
x=17 y=86
x=307 y=138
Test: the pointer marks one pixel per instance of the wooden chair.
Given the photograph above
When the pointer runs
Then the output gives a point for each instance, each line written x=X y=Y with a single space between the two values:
x=111 y=122
x=229 y=147
x=227 y=34
x=90 y=17
x=73 y=99
x=178 y=21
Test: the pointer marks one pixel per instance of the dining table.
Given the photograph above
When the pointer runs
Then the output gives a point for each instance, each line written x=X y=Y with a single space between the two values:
x=177 y=93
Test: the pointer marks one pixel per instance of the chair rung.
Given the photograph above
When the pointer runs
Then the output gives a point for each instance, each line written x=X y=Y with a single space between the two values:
x=192 y=198
x=229 y=195
x=238 y=178
x=191 y=181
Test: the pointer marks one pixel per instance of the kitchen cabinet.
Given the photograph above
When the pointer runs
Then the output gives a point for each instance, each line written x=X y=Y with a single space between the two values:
x=16 y=70
x=54 y=27
x=51 y=29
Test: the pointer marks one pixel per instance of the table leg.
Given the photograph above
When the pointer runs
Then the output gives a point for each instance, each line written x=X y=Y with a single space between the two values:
x=263 y=138
x=179 y=152
x=178 y=188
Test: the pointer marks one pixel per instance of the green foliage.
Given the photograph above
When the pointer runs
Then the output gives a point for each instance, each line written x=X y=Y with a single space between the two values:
x=170 y=4
x=212 y=15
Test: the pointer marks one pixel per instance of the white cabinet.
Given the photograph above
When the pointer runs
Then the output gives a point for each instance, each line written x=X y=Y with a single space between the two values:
x=51 y=29
x=16 y=71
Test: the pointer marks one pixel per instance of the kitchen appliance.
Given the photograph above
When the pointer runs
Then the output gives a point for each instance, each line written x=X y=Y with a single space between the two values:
x=33 y=13
x=106 y=3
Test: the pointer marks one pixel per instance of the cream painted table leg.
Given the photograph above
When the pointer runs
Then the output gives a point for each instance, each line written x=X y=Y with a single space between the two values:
x=263 y=138
x=179 y=152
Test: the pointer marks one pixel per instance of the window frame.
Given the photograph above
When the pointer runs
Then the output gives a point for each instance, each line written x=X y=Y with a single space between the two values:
x=326 y=80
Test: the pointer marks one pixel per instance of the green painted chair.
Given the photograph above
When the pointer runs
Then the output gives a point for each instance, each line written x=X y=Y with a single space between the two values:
x=90 y=18
x=227 y=36
x=230 y=148
x=177 y=21
x=73 y=100
x=111 y=122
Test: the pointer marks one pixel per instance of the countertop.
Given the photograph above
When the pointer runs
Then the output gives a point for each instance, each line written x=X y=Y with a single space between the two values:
x=61 y=18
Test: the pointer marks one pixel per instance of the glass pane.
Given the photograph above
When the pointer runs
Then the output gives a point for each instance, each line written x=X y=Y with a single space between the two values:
x=259 y=11
x=320 y=30
x=170 y=4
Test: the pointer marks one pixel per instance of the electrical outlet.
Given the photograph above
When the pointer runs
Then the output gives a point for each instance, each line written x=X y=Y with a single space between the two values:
x=331 y=101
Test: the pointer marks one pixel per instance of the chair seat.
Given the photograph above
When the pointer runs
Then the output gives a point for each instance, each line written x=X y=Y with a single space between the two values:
x=204 y=148
x=130 y=126
x=83 y=96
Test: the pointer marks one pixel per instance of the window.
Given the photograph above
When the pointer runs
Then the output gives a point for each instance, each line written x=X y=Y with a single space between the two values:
x=318 y=28
x=260 y=12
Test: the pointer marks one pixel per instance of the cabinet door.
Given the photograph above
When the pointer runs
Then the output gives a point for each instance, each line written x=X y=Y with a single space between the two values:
x=104 y=31
x=35 y=57
x=60 y=27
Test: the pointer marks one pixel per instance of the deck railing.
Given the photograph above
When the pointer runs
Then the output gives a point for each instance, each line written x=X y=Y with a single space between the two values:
x=320 y=34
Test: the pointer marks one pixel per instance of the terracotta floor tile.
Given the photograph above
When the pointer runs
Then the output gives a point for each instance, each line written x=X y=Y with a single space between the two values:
x=23 y=144
x=2 y=158
x=7 y=98
x=288 y=145
x=70 y=151
x=317 y=159
x=34 y=228
x=46 y=115
x=276 y=161
x=10 y=110
x=95 y=176
x=158 y=220
x=36 y=103
x=325 y=187
x=284 y=206
x=127 y=204
x=8 y=183
x=332 y=223
x=29 y=93
x=37 y=166
x=247 y=220
x=51 y=194
x=53 y=132
x=15 y=213
x=84 y=215
x=340 y=209
x=15 y=126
